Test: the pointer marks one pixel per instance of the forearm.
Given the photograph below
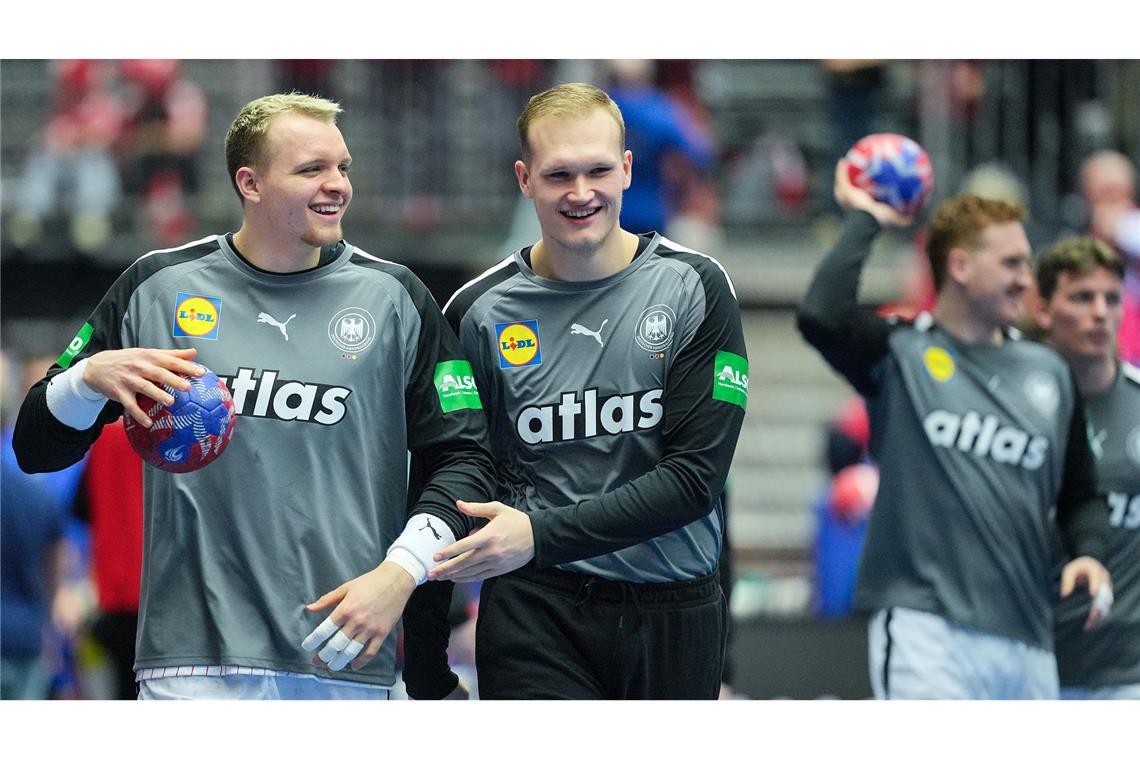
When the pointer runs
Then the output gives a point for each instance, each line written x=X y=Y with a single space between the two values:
x=673 y=494
x=831 y=302
x=830 y=319
x=1085 y=529
x=465 y=472
x=1082 y=515
x=43 y=443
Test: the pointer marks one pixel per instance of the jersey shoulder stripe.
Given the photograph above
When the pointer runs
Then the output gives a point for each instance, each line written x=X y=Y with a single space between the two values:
x=667 y=247
x=407 y=279
x=155 y=261
x=470 y=291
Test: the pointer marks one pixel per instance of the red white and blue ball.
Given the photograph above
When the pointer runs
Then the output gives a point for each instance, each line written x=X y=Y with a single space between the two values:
x=894 y=169
x=191 y=432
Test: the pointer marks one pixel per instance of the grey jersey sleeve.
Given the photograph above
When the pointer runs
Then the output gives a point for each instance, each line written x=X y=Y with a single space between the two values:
x=700 y=434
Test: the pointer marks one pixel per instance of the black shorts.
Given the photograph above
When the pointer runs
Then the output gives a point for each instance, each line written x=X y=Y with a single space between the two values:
x=551 y=634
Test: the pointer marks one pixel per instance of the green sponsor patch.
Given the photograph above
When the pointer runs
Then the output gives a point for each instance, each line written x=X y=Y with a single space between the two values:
x=730 y=378
x=455 y=384
x=76 y=345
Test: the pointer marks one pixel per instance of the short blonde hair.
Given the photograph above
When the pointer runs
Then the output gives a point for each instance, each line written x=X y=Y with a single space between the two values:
x=245 y=139
x=565 y=100
x=960 y=221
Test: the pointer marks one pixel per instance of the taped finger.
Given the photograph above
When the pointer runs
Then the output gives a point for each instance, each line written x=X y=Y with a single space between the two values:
x=335 y=646
x=1103 y=600
x=319 y=634
x=347 y=655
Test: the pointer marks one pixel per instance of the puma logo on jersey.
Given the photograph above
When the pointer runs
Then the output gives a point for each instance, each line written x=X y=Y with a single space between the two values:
x=986 y=437
x=286 y=400
x=572 y=419
x=577 y=329
x=264 y=318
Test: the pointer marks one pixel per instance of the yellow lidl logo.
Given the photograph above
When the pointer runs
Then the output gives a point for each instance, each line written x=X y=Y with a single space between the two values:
x=197 y=316
x=518 y=343
x=939 y=363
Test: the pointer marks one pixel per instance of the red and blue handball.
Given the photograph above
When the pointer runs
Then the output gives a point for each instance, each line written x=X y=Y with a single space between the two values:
x=190 y=433
x=894 y=169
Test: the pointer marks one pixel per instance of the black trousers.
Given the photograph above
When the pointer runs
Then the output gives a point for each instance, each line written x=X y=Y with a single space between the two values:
x=550 y=634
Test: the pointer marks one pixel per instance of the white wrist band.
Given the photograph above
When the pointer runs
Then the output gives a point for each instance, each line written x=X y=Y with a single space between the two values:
x=72 y=401
x=423 y=536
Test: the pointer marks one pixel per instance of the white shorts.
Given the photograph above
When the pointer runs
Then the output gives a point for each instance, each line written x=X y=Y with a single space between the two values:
x=298 y=686
x=920 y=655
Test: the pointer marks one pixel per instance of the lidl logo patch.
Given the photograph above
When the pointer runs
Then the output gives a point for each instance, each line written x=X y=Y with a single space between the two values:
x=518 y=343
x=730 y=378
x=455 y=384
x=197 y=316
x=939 y=363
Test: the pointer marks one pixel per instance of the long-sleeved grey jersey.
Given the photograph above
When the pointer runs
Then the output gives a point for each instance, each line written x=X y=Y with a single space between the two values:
x=1110 y=654
x=336 y=373
x=614 y=407
x=976 y=445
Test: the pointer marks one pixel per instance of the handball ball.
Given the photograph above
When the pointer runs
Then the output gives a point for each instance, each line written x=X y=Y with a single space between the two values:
x=191 y=432
x=894 y=169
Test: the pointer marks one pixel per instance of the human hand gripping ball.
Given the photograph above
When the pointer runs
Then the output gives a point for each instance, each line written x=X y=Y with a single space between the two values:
x=190 y=433
x=894 y=169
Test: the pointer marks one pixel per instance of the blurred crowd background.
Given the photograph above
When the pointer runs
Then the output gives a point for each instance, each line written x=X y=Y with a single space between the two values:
x=103 y=160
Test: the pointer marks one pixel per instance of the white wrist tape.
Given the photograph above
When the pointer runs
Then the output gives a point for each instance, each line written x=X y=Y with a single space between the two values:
x=423 y=536
x=72 y=401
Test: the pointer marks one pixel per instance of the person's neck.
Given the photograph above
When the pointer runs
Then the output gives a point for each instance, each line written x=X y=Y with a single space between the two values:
x=281 y=257
x=1094 y=375
x=556 y=263
x=956 y=317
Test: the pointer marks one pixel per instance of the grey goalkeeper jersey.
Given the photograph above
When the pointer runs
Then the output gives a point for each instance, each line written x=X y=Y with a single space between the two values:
x=1110 y=655
x=336 y=373
x=978 y=446
x=614 y=407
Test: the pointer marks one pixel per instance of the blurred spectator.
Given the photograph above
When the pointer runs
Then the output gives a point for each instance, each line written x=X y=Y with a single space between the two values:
x=854 y=100
x=670 y=148
x=415 y=112
x=311 y=76
x=112 y=502
x=33 y=557
x=161 y=140
x=1108 y=185
x=70 y=169
x=843 y=510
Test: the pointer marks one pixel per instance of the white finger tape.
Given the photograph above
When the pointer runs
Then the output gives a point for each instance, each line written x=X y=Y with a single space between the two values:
x=347 y=655
x=1103 y=600
x=342 y=659
x=319 y=634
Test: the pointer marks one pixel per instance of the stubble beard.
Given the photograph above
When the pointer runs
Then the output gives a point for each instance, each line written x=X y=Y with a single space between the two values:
x=319 y=239
x=586 y=247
